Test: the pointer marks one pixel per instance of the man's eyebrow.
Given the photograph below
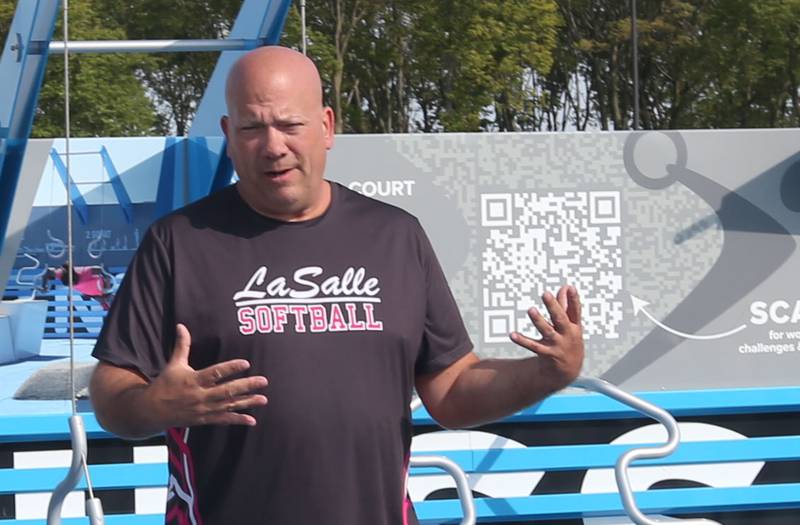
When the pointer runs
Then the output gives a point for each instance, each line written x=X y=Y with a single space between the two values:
x=283 y=119
x=249 y=122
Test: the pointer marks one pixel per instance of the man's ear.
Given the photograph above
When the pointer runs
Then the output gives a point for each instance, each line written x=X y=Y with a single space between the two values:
x=224 y=123
x=328 y=123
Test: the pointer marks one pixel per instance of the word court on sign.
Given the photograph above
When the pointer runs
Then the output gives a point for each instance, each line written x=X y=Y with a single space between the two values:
x=383 y=188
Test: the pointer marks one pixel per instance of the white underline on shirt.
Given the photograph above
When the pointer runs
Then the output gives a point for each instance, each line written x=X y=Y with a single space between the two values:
x=315 y=300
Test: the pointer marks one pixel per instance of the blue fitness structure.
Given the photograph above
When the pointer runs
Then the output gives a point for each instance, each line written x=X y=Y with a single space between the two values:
x=22 y=66
x=200 y=163
x=197 y=166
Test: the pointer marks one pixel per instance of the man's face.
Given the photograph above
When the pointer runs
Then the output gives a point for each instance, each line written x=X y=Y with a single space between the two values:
x=278 y=135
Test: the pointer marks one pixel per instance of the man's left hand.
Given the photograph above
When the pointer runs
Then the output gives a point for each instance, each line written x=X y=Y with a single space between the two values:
x=561 y=346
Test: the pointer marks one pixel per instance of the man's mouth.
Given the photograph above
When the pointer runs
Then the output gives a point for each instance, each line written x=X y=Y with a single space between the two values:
x=278 y=173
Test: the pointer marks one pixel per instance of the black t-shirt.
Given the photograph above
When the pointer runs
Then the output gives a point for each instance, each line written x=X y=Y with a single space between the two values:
x=339 y=313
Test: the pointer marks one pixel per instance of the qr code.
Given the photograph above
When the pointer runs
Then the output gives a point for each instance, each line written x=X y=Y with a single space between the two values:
x=539 y=242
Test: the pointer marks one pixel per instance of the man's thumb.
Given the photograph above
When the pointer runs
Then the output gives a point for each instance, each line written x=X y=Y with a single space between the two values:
x=183 y=341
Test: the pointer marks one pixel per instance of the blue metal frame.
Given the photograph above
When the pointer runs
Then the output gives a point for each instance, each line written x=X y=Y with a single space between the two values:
x=678 y=403
x=663 y=501
x=209 y=166
x=121 y=193
x=22 y=66
x=73 y=193
x=538 y=506
x=558 y=407
x=168 y=182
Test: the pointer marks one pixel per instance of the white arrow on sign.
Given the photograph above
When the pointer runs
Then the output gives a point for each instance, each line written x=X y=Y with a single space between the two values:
x=639 y=304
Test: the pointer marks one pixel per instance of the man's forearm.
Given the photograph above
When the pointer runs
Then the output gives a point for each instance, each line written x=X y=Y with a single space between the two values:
x=127 y=404
x=121 y=403
x=491 y=389
x=471 y=392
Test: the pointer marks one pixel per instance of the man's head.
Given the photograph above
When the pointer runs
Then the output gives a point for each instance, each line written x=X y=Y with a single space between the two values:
x=278 y=133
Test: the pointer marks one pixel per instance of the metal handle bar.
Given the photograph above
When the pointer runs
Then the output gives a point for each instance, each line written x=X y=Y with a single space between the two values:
x=35 y=266
x=94 y=509
x=452 y=468
x=152 y=46
x=624 y=461
x=32 y=282
x=462 y=485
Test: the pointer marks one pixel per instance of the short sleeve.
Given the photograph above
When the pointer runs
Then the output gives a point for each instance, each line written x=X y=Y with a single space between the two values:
x=139 y=327
x=445 y=339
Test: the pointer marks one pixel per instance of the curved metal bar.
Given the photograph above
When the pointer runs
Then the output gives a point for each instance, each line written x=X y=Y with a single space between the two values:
x=93 y=245
x=56 y=248
x=452 y=468
x=95 y=511
x=32 y=282
x=111 y=279
x=34 y=267
x=462 y=485
x=624 y=461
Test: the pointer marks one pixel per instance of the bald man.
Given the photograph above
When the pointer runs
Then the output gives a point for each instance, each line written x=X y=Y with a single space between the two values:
x=336 y=298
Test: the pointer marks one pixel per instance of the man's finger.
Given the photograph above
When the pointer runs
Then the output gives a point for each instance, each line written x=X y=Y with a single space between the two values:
x=557 y=314
x=231 y=418
x=214 y=374
x=542 y=325
x=562 y=297
x=574 y=305
x=531 y=344
x=183 y=342
x=240 y=403
x=233 y=389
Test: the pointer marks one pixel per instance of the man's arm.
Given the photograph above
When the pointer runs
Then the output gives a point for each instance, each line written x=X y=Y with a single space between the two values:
x=471 y=391
x=128 y=405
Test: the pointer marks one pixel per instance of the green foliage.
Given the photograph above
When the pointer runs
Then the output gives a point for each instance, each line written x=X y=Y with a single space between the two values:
x=703 y=63
x=401 y=65
x=6 y=14
x=176 y=81
x=106 y=98
x=456 y=65
x=755 y=49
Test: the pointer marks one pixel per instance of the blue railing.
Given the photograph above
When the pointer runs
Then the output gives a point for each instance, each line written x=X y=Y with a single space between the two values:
x=767 y=495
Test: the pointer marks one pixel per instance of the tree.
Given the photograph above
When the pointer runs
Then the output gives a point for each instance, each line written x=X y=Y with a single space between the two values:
x=106 y=99
x=756 y=48
x=466 y=65
x=703 y=63
x=6 y=14
x=175 y=81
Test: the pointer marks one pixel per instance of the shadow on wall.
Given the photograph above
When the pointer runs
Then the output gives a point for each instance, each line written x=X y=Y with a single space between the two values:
x=755 y=243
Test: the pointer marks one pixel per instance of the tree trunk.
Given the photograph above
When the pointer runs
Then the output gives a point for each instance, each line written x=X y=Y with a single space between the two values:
x=613 y=73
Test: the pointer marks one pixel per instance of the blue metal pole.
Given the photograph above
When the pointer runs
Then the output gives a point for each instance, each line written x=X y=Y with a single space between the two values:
x=209 y=168
x=22 y=66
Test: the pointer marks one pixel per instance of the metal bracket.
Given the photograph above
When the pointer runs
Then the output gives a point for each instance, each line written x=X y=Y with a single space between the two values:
x=19 y=47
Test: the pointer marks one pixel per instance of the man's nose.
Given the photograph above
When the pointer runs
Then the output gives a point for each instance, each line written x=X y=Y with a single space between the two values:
x=274 y=143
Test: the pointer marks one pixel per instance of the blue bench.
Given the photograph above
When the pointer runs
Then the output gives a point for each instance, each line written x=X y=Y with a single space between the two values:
x=89 y=314
x=521 y=499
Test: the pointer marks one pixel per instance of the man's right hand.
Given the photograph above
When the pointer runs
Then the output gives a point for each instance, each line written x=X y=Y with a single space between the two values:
x=128 y=405
x=184 y=397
